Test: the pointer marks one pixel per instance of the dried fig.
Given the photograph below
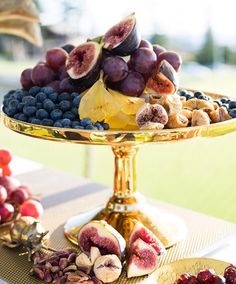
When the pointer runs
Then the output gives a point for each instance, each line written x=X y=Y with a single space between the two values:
x=107 y=268
x=198 y=104
x=177 y=121
x=200 y=117
x=151 y=113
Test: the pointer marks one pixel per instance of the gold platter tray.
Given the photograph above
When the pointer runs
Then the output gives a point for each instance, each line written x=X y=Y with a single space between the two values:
x=167 y=274
x=125 y=205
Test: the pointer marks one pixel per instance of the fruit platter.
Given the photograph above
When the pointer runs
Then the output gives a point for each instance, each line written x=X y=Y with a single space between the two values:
x=122 y=91
x=197 y=271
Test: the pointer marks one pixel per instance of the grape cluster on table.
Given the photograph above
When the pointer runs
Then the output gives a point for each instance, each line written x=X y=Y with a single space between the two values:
x=44 y=106
x=209 y=276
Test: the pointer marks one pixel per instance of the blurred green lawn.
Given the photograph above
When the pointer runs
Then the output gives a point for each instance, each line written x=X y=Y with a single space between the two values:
x=197 y=174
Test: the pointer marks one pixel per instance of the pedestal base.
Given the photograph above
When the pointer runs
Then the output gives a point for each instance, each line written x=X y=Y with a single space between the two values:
x=168 y=228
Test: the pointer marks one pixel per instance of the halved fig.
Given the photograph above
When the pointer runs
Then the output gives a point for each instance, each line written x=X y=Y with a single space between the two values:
x=103 y=236
x=141 y=232
x=164 y=79
x=143 y=259
x=123 y=38
x=83 y=63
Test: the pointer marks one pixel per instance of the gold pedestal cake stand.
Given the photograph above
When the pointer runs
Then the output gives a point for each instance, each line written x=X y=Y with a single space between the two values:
x=126 y=204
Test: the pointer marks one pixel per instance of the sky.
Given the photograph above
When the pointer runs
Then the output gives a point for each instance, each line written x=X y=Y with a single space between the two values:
x=186 y=19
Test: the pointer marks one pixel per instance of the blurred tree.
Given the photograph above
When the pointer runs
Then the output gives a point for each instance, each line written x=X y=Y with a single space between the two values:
x=160 y=39
x=206 y=54
x=229 y=55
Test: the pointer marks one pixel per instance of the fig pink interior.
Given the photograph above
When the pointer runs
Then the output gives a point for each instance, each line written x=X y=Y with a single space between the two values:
x=82 y=58
x=90 y=237
x=118 y=33
x=144 y=258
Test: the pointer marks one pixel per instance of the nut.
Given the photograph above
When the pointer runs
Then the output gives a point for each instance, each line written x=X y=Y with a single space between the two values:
x=83 y=262
x=151 y=113
x=94 y=254
x=200 y=117
x=107 y=268
x=177 y=121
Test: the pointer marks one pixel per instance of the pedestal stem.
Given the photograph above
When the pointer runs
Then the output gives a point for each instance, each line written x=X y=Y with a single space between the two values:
x=125 y=171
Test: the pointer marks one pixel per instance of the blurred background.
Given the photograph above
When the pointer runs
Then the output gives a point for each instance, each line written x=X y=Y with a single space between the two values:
x=197 y=174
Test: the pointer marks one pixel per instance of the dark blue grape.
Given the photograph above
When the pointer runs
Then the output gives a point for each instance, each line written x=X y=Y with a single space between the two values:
x=29 y=110
x=58 y=124
x=56 y=114
x=86 y=121
x=48 y=105
x=232 y=112
x=105 y=125
x=76 y=101
x=69 y=115
x=36 y=121
x=39 y=105
x=40 y=97
x=64 y=97
x=74 y=95
x=99 y=126
x=13 y=105
x=74 y=110
x=75 y=123
x=90 y=127
x=23 y=117
x=42 y=114
x=31 y=118
x=64 y=105
x=53 y=96
x=34 y=90
x=225 y=100
x=29 y=101
x=66 y=123
x=218 y=102
x=47 y=122
x=47 y=90
x=19 y=107
x=78 y=127
x=68 y=47
x=198 y=94
x=232 y=104
x=16 y=116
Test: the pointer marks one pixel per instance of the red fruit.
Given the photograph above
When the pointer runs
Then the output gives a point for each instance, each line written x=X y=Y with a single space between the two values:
x=193 y=280
x=158 y=49
x=6 y=171
x=143 y=259
x=206 y=276
x=5 y=157
x=9 y=183
x=63 y=73
x=145 y=43
x=25 y=188
x=56 y=57
x=6 y=212
x=3 y=194
x=31 y=208
x=19 y=195
x=143 y=60
x=172 y=57
x=183 y=279
x=25 y=79
x=230 y=274
x=217 y=279
x=141 y=232
x=42 y=75
x=55 y=85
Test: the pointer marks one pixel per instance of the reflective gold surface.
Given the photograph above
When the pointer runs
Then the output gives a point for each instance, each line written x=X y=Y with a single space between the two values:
x=167 y=274
x=125 y=205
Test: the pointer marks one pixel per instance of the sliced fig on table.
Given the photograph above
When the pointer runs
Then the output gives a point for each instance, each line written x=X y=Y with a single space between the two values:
x=164 y=79
x=143 y=259
x=103 y=236
x=83 y=64
x=141 y=232
x=123 y=38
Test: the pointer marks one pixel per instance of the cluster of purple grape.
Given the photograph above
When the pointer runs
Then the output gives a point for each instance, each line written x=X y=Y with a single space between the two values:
x=50 y=73
x=130 y=77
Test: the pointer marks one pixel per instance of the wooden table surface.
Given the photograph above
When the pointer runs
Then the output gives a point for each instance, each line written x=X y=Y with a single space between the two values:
x=64 y=195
